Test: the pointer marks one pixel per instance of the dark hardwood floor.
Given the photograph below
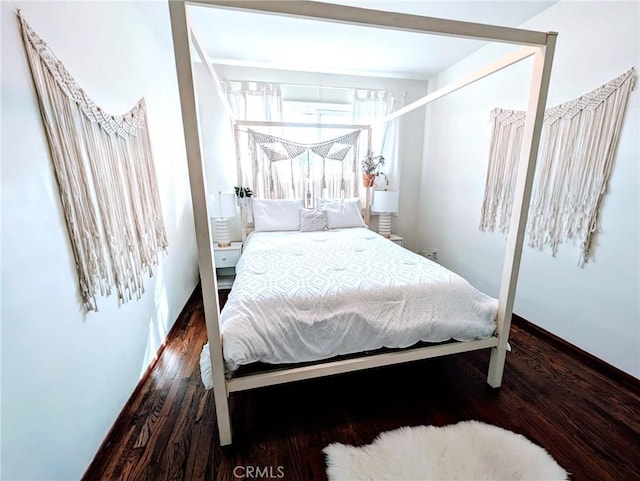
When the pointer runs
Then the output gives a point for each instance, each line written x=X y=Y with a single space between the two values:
x=588 y=421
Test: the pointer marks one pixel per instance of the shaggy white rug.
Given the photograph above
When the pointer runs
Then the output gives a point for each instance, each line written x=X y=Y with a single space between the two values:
x=469 y=450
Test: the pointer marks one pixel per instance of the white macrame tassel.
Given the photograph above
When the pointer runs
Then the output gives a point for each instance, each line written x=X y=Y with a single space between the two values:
x=107 y=180
x=576 y=157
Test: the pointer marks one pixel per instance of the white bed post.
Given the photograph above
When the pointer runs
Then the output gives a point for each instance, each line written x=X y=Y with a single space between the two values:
x=367 y=197
x=543 y=60
x=179 y=28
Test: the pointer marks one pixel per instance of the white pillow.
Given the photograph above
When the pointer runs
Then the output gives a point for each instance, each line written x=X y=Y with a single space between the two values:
x=313 y=220
x=342 y=213
x=276 y=214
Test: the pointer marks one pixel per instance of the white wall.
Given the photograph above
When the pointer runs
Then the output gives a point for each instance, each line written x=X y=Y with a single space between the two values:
x=595 y=307
x=65 y=374
x=217 y=135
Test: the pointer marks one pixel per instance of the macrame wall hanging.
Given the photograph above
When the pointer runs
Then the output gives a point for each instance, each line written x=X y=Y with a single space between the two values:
x=576 y=155
x=106 y=178
x=277 y=149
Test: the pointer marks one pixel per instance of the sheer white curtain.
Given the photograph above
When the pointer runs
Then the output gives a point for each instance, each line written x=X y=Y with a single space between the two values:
x=254 y=101
x=369 y=105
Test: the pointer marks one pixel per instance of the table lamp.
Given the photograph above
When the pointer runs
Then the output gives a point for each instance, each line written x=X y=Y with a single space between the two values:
x=224 y=207
x=385 y=203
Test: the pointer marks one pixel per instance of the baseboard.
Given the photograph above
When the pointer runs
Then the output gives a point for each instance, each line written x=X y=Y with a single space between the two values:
x=120 y=423
x=595 y=363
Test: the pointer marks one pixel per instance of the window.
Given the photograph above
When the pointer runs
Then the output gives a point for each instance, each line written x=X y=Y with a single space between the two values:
x=312 y=175
x=266 y=164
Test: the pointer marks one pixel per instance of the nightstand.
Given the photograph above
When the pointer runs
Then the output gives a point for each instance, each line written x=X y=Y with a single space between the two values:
x=397 y=239
x=226 y=259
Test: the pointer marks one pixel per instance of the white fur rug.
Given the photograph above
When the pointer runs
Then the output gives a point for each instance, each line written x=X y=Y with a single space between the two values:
x=469 y=450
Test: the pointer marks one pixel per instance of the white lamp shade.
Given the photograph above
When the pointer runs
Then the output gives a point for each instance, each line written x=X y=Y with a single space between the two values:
x=223 y=205
x=385 y=201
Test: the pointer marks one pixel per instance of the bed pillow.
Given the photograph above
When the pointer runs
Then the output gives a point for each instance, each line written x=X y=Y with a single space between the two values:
x=313 y=220
x=276 y=214
x=342 y=213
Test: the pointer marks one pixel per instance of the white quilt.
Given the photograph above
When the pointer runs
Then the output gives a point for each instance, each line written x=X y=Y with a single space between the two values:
x=308 y=296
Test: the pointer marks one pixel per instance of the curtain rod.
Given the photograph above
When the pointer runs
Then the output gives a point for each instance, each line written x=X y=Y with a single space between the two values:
x=267 y=123
x=333 y=87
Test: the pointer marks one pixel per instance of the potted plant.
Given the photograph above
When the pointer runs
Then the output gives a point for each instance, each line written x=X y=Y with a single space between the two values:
x=242 y=195
x=371 y=168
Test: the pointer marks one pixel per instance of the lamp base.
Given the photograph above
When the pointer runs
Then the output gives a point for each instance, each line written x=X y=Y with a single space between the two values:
x=223 y=232
x=384 y=225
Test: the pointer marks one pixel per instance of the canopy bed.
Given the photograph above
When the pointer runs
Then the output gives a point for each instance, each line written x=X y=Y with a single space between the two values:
x=537 y=44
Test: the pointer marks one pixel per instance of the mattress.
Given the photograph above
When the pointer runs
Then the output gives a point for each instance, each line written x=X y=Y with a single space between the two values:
x=307 y=296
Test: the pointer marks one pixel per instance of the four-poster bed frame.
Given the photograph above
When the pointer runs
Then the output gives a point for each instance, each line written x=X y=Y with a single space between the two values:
x=540 y=45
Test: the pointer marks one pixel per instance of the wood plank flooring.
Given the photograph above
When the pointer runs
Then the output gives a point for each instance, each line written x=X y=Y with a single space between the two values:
x=589 y=422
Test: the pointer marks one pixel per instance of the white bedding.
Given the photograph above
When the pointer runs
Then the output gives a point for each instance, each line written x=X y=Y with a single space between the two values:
x=306 y=296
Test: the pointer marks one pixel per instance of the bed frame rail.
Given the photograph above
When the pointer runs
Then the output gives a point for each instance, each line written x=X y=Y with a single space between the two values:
x=281 y=376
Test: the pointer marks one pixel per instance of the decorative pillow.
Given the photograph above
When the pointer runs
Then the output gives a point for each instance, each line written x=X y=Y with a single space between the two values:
x=313 y=220
x=342 y=213
x=276 y=214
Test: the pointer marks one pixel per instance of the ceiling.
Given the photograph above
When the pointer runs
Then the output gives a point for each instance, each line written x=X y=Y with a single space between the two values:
x=234 y=37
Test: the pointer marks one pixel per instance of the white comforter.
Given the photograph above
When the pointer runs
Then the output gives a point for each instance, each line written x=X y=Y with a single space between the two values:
x=308 y=296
